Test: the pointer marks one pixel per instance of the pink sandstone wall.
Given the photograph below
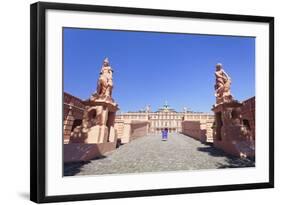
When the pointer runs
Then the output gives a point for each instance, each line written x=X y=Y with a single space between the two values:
x=73 y=114
x=192 y=129
x=76 y=152
x=138 y=129
x=201 y=131
x=248 y=113
x=128 y=130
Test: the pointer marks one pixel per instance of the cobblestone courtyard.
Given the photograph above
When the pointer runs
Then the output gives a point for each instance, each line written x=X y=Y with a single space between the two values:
x=150 y=154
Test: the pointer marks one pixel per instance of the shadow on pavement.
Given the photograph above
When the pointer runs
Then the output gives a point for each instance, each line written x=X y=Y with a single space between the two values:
x=73 y=168
x=212 y=151
x=231 y=161
x=235 y=162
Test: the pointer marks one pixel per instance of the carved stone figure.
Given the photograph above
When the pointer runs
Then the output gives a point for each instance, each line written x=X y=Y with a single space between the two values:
x=105 y=82
x=222 y=86
x=99 y=115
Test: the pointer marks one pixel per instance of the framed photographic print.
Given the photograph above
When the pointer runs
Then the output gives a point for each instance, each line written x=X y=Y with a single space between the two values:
x=129 y=102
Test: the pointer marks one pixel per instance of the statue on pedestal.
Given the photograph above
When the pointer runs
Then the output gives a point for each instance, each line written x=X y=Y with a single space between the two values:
x=230 y=134
x=222 y=86
x=105 y=83
x=99 y=115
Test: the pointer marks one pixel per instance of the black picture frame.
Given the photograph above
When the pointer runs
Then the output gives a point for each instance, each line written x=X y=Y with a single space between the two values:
x=38 y=101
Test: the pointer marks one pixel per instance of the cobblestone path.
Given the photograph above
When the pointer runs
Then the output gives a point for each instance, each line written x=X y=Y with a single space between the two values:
x=150 y=154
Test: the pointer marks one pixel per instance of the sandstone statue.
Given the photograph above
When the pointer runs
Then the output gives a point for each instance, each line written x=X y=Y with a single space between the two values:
x=105 y=83
x=230 y=133
x=222 y=86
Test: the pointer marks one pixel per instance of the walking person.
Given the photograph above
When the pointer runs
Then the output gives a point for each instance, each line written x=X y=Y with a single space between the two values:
x=165 y=134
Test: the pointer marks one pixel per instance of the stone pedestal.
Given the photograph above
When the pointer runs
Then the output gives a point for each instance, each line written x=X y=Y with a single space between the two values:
x=112 y=137
x=101 y=114
x=97 y=134
x=229 y=131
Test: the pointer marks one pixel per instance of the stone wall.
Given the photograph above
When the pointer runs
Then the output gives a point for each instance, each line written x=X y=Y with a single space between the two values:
x=76 y=152
x=248 y=115
x=73 y=114
x=128 y=130
x=139 y=129
x=119 y=126
x=199 y=130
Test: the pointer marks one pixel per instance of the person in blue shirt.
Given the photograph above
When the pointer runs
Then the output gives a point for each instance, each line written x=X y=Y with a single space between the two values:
x=165 y=134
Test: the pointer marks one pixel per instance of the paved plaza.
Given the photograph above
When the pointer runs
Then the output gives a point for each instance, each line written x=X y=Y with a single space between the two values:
x=150 y=154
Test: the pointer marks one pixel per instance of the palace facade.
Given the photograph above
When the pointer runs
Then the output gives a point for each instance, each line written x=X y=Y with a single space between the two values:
x=165 y=117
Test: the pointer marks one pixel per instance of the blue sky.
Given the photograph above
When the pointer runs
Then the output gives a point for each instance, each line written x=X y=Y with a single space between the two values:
x=150 y=68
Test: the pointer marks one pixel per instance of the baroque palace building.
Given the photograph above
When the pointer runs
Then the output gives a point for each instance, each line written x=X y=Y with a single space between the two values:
x=165 y=117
